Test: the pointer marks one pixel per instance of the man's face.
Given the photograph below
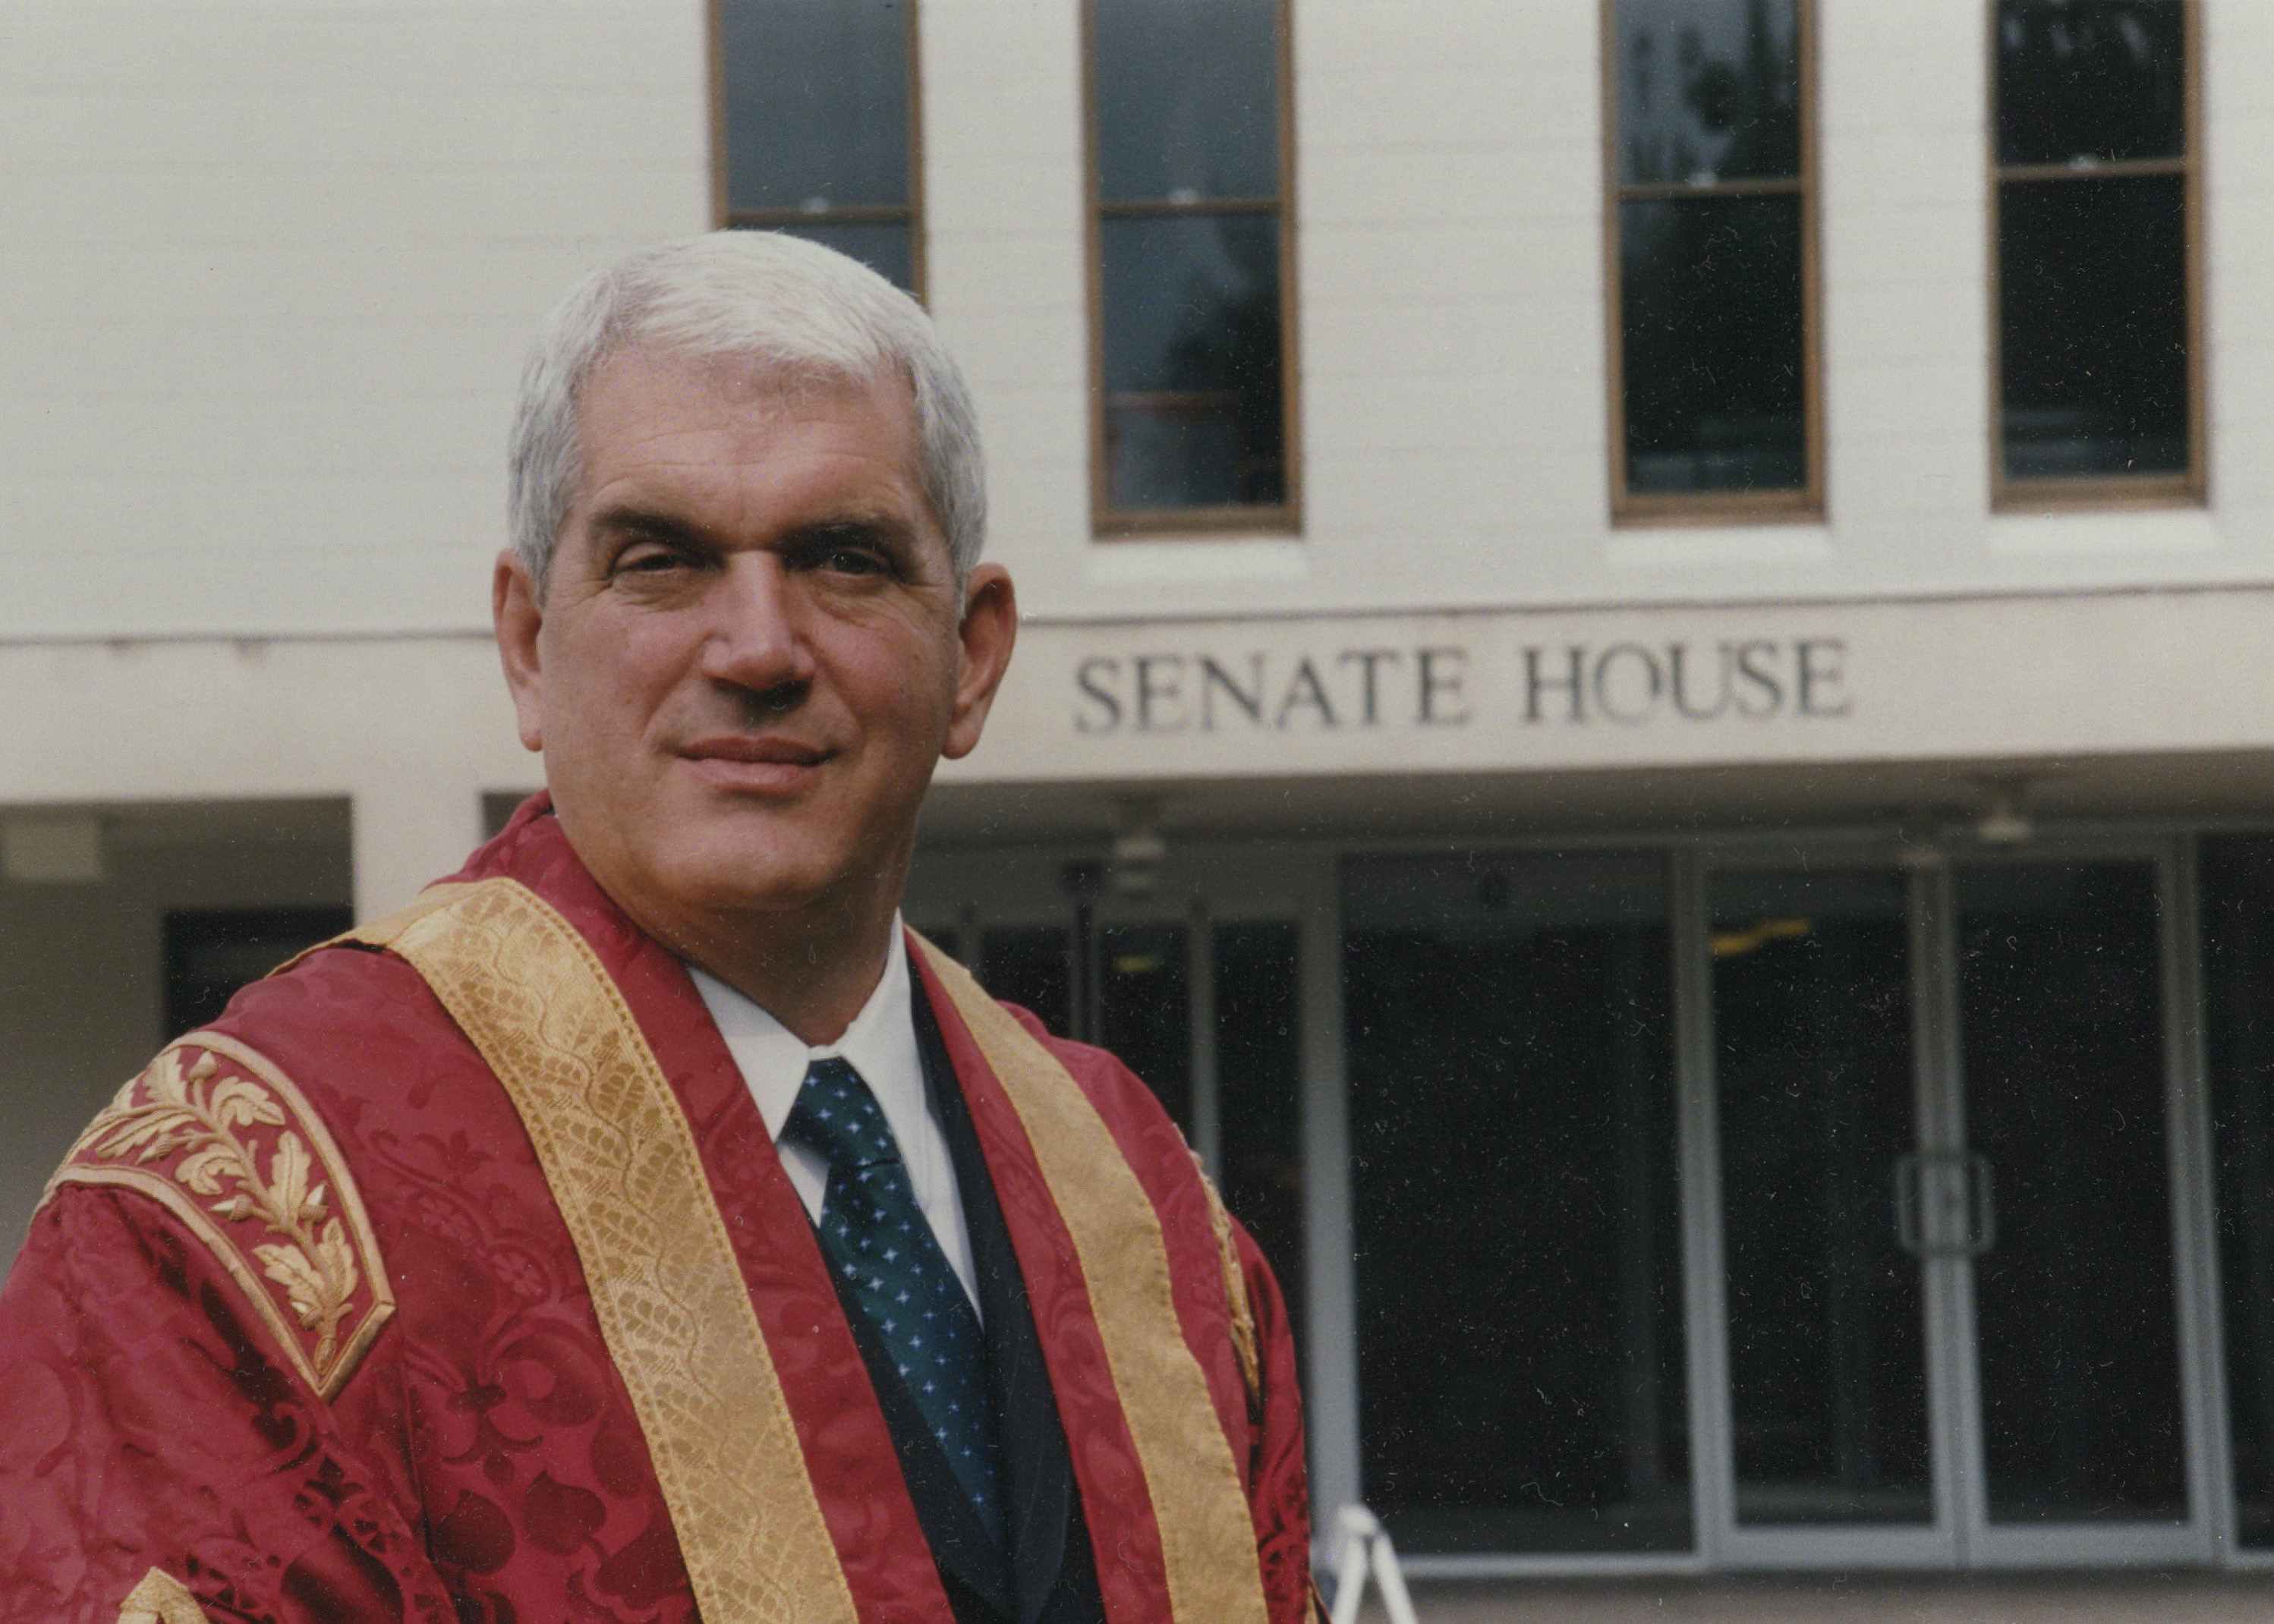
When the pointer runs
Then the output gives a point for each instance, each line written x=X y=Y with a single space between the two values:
x=752 y=652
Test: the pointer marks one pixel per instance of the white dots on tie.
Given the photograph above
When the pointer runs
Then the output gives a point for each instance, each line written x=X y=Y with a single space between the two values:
x=875 y=1232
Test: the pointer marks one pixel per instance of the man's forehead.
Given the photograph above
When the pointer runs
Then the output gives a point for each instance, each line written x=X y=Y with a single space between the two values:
x=655 y=424
x=657 y=374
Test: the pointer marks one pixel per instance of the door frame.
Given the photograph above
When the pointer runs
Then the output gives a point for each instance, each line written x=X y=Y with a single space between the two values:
x=1961 y=1535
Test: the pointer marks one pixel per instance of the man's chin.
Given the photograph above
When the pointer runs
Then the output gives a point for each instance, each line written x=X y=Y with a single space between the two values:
x=742 y=890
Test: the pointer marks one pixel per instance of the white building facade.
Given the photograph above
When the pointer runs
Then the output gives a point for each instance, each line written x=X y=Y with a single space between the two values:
x=1712 y=926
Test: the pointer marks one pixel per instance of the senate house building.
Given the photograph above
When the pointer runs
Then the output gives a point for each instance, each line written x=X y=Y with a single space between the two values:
x=1645 y=692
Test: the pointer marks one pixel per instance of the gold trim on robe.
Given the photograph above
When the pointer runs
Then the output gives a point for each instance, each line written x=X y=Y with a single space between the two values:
x=161 y=1598
x=1208 y=1539
x=674 y=1309
x=623 y=1165
x=1244 y=1341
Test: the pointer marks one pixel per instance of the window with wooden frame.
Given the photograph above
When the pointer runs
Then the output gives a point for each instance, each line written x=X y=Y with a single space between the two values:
x=815 y=126
x=1190 y=266
x=1710 y=170
x=2095 y=292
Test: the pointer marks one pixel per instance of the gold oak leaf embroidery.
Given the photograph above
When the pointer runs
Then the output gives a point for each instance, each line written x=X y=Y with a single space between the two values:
x=312 y=1261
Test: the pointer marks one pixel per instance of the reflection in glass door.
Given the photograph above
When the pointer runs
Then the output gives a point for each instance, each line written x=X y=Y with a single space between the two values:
x=2075 y=1308
x=1950 y=1316
x=1819 y=1133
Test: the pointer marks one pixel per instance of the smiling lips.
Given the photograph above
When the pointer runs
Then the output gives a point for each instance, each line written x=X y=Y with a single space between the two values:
x=765 y=765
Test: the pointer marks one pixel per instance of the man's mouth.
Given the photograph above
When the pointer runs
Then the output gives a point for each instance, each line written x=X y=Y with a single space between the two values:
x=761 y=765
x=764 y=748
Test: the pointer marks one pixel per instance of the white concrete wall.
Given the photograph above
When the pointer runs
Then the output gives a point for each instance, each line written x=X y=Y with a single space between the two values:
x=269 y=266
x=267 y=272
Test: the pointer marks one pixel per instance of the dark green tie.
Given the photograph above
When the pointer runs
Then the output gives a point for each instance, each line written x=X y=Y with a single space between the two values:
x=876 y=1237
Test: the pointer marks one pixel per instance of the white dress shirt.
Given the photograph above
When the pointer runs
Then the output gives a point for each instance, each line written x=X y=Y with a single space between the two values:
x=881 y=1046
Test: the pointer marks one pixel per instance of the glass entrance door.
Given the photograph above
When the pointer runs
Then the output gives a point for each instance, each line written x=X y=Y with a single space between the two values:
x=2064 y=1079
x=1949 y=1322
x=1827 y=1140
x=1194 y=978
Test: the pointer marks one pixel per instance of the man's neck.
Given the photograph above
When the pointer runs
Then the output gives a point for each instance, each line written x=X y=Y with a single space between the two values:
x=814 y=988
x=810 y=964
x=811 y=971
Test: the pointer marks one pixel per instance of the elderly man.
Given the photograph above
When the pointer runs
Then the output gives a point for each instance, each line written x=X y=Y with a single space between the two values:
x=643 y=1223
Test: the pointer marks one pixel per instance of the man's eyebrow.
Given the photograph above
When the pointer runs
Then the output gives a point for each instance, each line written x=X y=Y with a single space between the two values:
x=630 y=521
x=889 y=527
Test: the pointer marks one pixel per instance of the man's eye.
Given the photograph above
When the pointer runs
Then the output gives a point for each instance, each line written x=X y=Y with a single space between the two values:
x=853 y=560
x=648 y=560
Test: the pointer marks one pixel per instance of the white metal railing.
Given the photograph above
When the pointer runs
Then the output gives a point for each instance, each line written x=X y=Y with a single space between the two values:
x=1361 y=1547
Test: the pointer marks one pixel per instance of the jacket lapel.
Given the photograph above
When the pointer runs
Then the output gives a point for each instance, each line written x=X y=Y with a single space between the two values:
x=1038 y=1476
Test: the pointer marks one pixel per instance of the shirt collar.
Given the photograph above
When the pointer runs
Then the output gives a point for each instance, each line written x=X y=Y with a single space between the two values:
x=880 y=1044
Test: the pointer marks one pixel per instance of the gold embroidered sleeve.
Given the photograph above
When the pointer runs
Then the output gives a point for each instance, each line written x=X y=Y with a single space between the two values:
x=213 y=1132
x=161 y=1598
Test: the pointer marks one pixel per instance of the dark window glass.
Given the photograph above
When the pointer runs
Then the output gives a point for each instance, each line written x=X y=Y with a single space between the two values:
x=498 y=806
x=2096 y=380
x=1031 y=966
x=211 y=953
x=2077 y=1316
x=2238 y=925
x=1193 y=366
x=818 y=124
x=1712 y=364
x=1259 y=1091
x=2090 y=79
x=1710 y=194
x=1186 y=103
x=1708 y=90
x=2093 y=325
x=1145 y=1010
x=1815 y=1097
x=1518 y=1245
x=817 y=103
x=1187 y=99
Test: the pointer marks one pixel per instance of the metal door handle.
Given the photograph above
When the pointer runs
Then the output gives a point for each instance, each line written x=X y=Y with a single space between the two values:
x=1963 y=1189
x=1981 y=1205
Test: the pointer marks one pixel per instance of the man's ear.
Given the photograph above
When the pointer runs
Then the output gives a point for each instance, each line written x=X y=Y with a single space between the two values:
x=518 y=613
x=991 y=625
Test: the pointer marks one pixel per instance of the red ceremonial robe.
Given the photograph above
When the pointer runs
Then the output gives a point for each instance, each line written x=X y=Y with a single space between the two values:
x=300 y=1334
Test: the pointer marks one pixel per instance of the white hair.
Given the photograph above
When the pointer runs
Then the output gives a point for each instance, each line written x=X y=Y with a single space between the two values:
x=804 y=314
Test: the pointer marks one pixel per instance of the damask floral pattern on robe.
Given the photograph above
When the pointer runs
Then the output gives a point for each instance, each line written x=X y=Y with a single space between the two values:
x=169 y=1400
x=221 y=1138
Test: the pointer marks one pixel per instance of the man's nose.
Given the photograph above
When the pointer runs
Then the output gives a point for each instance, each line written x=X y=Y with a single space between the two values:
x=756 y=641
